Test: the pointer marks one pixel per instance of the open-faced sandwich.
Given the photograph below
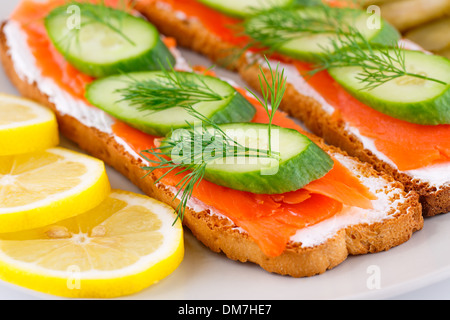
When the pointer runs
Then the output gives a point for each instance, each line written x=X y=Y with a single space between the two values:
x=243 y=177
x=351 y=79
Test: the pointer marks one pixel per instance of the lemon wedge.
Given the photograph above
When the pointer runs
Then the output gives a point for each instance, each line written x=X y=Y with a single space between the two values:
x=25 y=126
x=37 y=189
x=124 y=245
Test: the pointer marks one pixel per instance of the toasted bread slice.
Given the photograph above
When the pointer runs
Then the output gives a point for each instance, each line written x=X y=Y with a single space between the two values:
x=394 y=219
x=192 y=34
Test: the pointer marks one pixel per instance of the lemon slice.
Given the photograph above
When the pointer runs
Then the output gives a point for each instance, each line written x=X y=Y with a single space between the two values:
x=25 y=126
x=37 y=189
x=124 y=245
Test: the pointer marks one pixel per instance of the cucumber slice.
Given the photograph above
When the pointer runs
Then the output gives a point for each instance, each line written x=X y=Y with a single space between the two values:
x=281 y=31
x=299 y=161
x=108 y=95
x=407 y=98
x=101 y=41
x=244 y=8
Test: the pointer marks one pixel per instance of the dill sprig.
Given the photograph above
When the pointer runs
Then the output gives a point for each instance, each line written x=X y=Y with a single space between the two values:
x=170 y=89
x=379 y=65
x=187 y=152
x=268 y=30
x=275 y=27
x=272 y=89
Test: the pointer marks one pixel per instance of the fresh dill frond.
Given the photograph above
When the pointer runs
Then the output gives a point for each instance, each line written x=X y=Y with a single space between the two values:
x=268 y=30
x=171 y=89
x=272 y=90
x=278 y=26
x=378 y=65
x=188 y=152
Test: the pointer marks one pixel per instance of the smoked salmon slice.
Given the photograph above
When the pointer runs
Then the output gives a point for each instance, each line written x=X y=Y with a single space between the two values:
x=272 y=233
x=293 y=197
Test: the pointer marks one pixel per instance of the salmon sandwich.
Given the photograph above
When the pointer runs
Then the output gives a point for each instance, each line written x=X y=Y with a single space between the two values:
x=246 y=179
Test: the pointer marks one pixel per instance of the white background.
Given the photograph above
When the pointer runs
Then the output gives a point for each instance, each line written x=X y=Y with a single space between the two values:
x=419 y=269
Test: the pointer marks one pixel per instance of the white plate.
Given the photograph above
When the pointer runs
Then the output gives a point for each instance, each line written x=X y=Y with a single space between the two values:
x=413 y=270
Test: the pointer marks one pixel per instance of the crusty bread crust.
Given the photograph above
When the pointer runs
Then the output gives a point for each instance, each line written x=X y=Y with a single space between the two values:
x=191 y=34
x=220 y=235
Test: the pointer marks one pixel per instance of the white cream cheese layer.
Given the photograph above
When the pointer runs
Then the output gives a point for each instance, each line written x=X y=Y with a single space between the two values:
x=26 y=68
x=385 y=207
